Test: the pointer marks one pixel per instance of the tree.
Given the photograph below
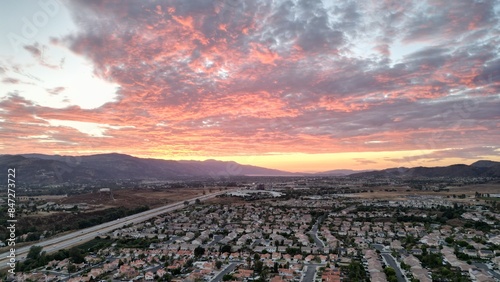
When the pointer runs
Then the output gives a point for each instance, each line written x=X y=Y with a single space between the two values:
x=258 y=266
x=225 y=249
x=256 y=256
x=76 y=256
x=186 y=203
x=42 y=259
x=389 y=271
x=197 y=201
x=199 y=251
x=356 y=271
x=34 y=252
x=405 y=266
x=71 y=267
x=292 y=251
x=218 y=264
x=189 y=263
x=449 y=240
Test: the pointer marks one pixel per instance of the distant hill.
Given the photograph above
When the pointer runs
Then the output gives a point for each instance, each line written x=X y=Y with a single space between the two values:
x=481 y=168
x=53 y=169
x=339 y=172
x=484 y=163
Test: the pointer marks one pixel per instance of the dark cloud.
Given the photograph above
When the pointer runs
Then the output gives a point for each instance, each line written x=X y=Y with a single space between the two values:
x=364 y=161
x=473 y=153
x=349 y=17
x=34 y=50
x=37 y=51
x=428 y=53
x=56 y=90
x=490 y=74
x=439 y=18
x=10 y=80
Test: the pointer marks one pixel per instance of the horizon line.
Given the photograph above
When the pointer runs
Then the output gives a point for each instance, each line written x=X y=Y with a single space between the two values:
x=245 y=164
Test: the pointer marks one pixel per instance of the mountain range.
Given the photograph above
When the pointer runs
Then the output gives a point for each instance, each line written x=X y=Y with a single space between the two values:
x=53 y=169
x=483 y=168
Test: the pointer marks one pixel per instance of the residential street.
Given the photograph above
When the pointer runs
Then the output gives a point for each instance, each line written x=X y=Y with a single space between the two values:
x=309 y=275
x=392 y=263
x=314 y=234
x=225 y=271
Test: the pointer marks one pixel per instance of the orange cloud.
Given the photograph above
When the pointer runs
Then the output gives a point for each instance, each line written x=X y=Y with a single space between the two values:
x=263 y=54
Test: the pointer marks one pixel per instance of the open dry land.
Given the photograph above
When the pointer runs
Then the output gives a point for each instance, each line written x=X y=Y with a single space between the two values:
x=401 y=193
x=131 y=198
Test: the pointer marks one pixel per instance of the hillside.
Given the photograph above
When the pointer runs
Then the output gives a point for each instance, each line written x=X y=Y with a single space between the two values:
x=53 y=169
x=478 y=169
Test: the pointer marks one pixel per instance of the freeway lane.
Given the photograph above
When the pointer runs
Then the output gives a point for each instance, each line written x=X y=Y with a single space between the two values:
x=84 y=235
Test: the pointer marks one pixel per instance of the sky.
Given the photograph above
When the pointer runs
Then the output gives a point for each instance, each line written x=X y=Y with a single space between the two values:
x=300 y=85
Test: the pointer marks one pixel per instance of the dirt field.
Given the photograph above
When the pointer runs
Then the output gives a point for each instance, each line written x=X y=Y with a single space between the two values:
x=131 y=198
x=399 y=193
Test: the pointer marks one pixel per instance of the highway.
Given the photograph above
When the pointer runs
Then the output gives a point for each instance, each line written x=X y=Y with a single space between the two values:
x=78 y=237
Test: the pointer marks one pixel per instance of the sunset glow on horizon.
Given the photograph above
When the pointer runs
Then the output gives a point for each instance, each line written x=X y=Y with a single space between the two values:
x=296 y=85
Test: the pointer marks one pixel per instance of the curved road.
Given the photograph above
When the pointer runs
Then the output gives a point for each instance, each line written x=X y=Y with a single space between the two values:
x=389 y=259
x=78 y=237
x=314 y=234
